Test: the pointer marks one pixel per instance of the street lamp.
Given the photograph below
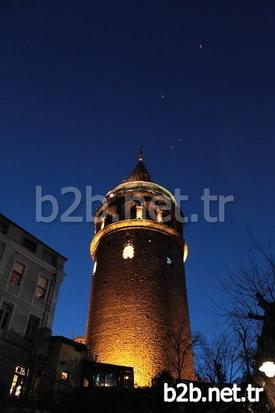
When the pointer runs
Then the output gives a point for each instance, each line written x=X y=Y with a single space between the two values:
x=268 y=368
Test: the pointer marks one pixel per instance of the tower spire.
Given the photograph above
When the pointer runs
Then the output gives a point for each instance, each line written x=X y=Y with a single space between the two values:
x=141 y=156
x=140 y=172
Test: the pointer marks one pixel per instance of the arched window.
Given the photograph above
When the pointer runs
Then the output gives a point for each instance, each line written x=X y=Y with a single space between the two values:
x=128 y=252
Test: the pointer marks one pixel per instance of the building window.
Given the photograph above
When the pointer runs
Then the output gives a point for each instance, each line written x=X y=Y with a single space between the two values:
x=110 y=380
x=5 y=315
x=17 y=273
x=64 y=376
x=29 y=244
x=2 y=249
x=94 y=268
x=128 y=252
x=4 y=228
x=18 y=381
x=49 y=257
x=32 y=327
x=127 y=379
x=169 y=260
x=20 y=370
x=99 y=380
x=85 y=382
x=41 y=287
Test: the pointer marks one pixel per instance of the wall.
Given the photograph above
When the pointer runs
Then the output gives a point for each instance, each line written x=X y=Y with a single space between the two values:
x=135 y=302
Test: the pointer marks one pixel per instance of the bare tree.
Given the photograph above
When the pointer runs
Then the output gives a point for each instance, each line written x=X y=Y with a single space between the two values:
x=180 y=347
x=250 y=284
x=246 y=337
x=251 y=293
x=250 y=307
x=218 y=361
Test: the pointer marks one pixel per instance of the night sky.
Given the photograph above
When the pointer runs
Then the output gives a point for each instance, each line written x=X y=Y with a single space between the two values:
x=84 y=83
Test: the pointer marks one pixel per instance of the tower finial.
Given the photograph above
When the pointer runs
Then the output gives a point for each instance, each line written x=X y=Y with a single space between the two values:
x=140 y=156
x=139 y=173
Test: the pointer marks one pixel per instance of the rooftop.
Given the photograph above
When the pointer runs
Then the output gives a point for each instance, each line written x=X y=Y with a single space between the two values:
x=3 y=217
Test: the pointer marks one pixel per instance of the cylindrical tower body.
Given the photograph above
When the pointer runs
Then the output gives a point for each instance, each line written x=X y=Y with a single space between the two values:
x=138 y=313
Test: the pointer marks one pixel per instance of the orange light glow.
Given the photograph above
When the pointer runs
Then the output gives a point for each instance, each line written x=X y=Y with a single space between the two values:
x=134 y=223
x=144 y=370
x=185 y=251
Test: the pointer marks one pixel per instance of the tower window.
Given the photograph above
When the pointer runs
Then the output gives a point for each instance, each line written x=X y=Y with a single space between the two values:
x=185 y=251
x=139 y=211
x=94 y=268
x=169 y=260
x=128 y=252
x=159 y=215
x=102 y=224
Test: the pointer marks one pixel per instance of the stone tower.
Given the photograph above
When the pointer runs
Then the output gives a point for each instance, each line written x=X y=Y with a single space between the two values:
x=138 y=313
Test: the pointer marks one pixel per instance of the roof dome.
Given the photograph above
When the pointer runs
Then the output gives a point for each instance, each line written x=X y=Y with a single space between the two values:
x=140 y=172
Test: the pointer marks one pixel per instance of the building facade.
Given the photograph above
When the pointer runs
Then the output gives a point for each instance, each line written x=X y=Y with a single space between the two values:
x=65 y=369
x=138 y=313
x=30 y=276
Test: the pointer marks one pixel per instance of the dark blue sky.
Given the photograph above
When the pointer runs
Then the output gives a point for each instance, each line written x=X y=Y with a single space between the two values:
x=81 y=87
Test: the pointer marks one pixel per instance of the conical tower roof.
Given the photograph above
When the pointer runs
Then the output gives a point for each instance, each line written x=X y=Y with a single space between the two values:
x=140 y=172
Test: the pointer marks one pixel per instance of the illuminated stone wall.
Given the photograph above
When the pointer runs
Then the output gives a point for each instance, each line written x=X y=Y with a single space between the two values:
x=134 y=301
